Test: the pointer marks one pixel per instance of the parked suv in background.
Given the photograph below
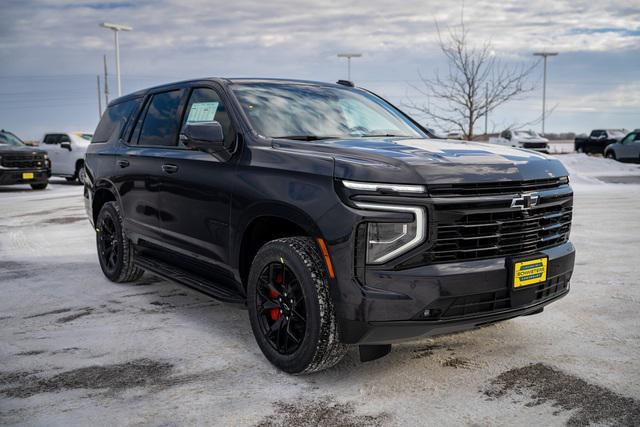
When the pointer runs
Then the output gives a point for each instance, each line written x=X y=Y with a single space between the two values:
x=597 y=140
x=66 y=151
x=21 y=164
x=528 y=139
x=327 y=212
x=627 y=150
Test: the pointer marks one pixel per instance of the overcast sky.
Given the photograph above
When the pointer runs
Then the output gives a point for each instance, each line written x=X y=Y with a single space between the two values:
x=51 y=52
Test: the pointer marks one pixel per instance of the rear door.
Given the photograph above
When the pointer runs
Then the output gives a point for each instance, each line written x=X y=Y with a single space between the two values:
x=140 y=161
x=195 y=195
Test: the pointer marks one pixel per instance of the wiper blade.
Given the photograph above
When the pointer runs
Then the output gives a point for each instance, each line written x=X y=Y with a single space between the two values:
x=304 y=137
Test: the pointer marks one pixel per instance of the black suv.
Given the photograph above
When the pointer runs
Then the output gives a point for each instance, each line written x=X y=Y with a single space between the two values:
x=331 y=215
x=21 y=164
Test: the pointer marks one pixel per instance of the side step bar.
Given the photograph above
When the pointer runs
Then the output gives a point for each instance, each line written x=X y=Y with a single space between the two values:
x=183 y=277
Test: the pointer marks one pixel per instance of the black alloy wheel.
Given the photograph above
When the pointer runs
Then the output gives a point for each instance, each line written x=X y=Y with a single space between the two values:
x=281 y=308
x=108 y=242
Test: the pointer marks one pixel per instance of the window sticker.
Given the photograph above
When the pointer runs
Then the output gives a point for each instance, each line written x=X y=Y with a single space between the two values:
x=202 y=112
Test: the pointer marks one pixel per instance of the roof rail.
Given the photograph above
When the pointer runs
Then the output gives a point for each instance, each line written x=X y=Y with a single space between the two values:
x=345 y=83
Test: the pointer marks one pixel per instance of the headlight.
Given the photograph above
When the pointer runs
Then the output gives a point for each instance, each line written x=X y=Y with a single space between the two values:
x=387 y=240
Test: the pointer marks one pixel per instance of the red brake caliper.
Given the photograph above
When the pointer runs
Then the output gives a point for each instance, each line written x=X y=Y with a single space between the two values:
x=274 y=313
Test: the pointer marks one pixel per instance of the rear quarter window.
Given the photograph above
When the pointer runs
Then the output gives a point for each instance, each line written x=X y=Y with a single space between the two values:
x=114 y=120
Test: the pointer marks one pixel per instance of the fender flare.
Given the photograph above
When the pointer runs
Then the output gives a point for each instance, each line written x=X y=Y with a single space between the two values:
x=103 y=185
x=258 y=210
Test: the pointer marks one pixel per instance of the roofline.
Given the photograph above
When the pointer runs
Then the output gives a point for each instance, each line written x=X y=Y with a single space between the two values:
x=223 y=80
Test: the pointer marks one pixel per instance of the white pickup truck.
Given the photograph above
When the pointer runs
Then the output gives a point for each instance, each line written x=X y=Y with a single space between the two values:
x=528 y=139
x=66 y=151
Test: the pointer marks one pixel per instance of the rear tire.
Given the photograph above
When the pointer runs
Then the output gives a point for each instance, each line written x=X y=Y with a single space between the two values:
x=290 y=308
x=41 y=186
x=579 y=149
x=114 y=247
x=80 y=173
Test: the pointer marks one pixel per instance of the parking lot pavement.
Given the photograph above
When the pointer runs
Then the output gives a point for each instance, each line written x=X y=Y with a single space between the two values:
x=76 y=349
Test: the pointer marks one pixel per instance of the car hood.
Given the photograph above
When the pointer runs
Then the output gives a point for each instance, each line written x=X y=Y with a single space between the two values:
x=25 y=149
x=434 y=161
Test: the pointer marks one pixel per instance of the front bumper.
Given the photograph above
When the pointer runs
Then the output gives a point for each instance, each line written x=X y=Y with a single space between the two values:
x=459 y=296
x=16 y=176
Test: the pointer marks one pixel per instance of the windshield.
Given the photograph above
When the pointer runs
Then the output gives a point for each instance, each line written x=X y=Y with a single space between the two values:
x=7 y=138
x=308 y=112
x=527 y=134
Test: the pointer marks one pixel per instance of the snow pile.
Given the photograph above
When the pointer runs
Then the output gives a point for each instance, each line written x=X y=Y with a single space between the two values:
x=586 y=170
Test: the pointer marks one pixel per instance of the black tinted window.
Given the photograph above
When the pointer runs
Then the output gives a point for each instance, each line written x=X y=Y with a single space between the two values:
x=52 y=139
x=64 y=138
x=206 y=106
x=114 y=119
x=162 y=121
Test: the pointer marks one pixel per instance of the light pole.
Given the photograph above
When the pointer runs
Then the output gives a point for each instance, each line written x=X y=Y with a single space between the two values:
x=349 y=56
x=544 y=83
x=116 y=29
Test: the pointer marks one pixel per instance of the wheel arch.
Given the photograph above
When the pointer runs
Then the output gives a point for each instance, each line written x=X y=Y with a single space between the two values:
x=265 y=222
x=103 y=192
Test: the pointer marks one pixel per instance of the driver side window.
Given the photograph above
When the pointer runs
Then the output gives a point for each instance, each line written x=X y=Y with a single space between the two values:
x=206 y=106
x=631 y=138
x=52 y=139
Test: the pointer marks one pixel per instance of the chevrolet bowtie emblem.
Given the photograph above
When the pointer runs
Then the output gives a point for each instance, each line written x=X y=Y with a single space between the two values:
x=525 y=201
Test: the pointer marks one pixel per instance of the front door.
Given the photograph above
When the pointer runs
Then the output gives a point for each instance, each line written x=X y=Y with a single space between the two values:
x=629 y=148
x=195 y=195
x=51 y=143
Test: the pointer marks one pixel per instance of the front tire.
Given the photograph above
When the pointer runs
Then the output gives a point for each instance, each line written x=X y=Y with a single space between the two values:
x=290 y=309
x=611 y=155
x=114 y=248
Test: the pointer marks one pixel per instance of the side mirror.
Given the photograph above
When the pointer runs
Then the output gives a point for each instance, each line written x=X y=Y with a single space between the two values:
x=205 y=136
x=66 y=145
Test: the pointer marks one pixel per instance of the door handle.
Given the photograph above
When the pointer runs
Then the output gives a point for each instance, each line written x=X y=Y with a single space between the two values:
x=169 y=168
x=123 y=163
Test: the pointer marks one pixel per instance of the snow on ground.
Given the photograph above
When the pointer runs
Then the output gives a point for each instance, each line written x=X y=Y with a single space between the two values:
x=595 y=170
x=561 y=147
x=76 y=349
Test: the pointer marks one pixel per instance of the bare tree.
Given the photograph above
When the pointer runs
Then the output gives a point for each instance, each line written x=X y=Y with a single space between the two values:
x=475 y=85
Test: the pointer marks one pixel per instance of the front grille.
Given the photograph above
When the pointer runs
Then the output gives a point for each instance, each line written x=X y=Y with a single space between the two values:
x=492 y=234
x=494 y=188
x=22 y=161
x=476 y=221
x=534 y=145
x=471 y=305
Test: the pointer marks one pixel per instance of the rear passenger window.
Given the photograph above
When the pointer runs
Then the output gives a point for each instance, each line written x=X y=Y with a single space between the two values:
x=206 y=106
x=114 y=120
x=161 y=121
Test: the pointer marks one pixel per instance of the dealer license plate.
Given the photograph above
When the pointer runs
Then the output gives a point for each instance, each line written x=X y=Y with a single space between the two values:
x=529 y=272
